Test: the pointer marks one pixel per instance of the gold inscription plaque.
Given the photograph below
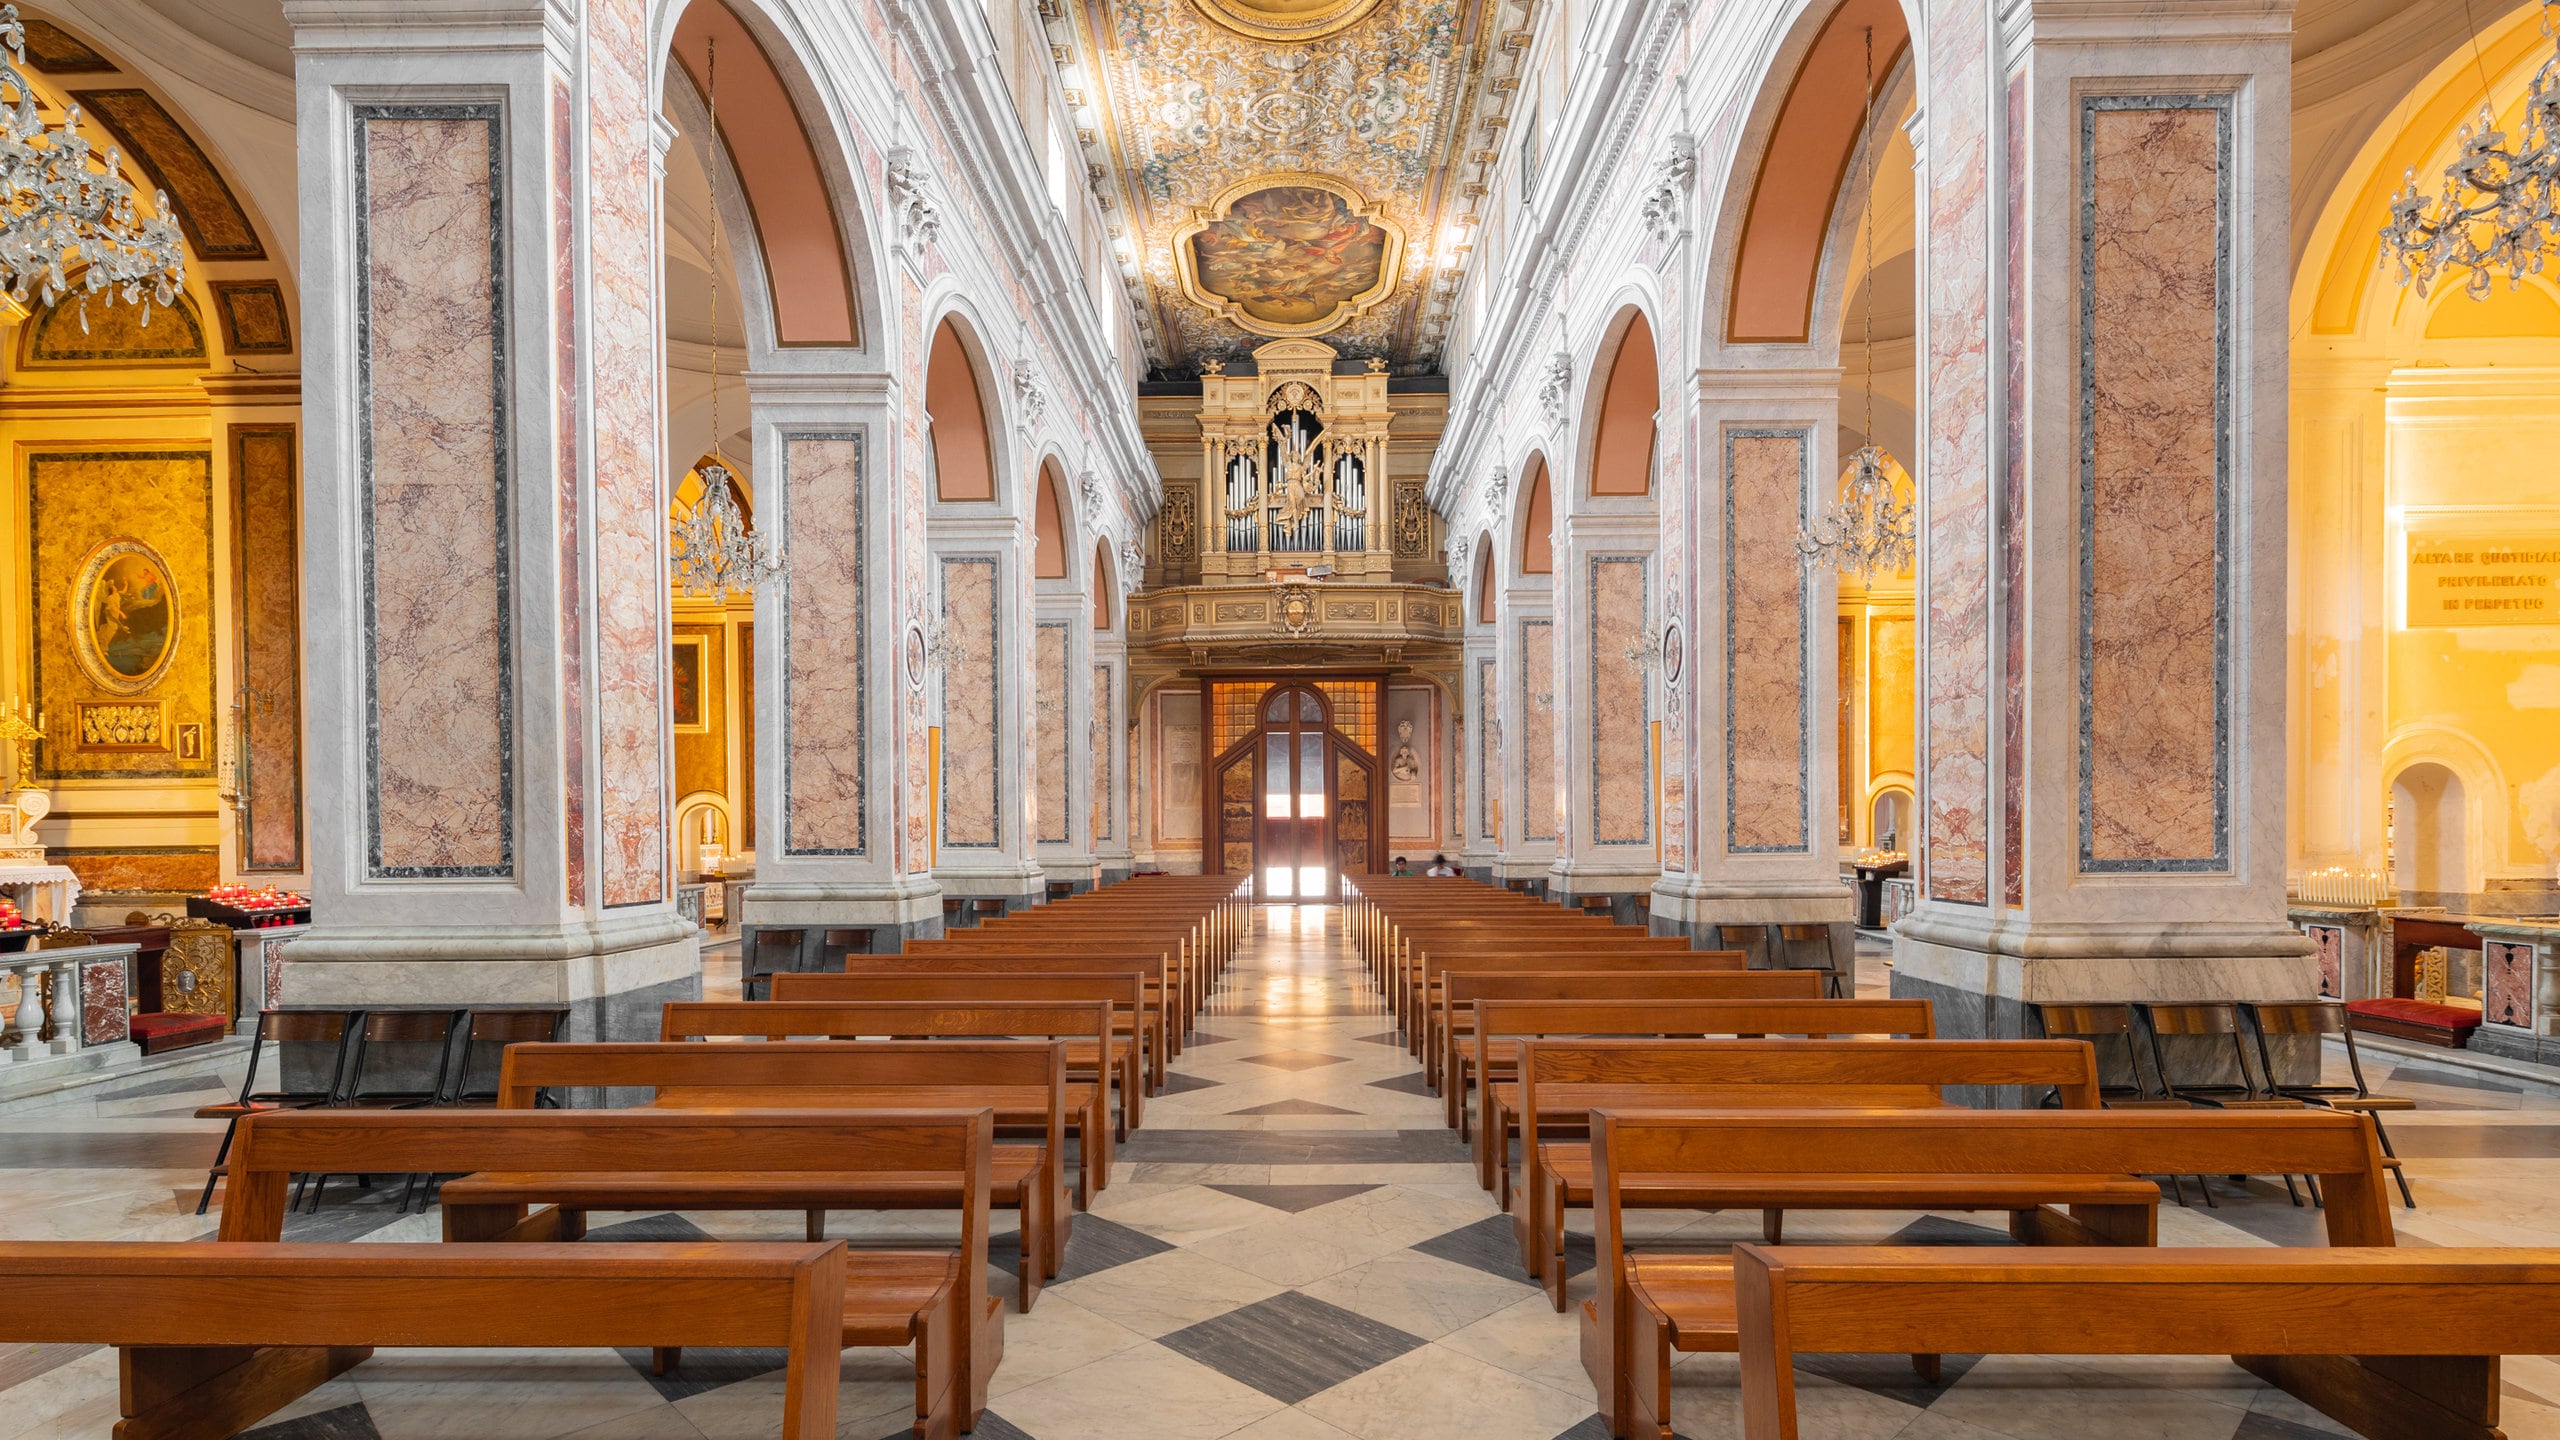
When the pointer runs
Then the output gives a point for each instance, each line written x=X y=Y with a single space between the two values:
x=2478 y=578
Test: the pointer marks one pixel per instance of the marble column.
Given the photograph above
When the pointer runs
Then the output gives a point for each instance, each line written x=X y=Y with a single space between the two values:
x=484 y=513
x=1764 y=696
x=1532 y=765
x=1604 y=600
x=2103 y=370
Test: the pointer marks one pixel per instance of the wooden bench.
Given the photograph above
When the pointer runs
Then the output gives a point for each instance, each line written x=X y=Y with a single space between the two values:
x=931 y=1299
x=1093 y=1054
x=1491 y=960
x=1432 y=952
x=2025 y=1162
x=1175 y=972
x=1125 y=992
x=1563 y=1081
x=211 y=1339
x=1498 y=1021
x=1453 y=1018
x=1023 y=1082
x=1152 y=1019
x=2309 y=1322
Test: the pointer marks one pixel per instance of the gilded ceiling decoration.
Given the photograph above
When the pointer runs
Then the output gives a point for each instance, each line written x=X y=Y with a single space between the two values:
x=1267 y=186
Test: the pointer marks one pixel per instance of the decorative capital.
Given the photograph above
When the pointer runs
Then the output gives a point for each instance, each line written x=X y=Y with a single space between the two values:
x=1030 y=397
x=1556 y=390
x=1665 y=207
x=918 y=217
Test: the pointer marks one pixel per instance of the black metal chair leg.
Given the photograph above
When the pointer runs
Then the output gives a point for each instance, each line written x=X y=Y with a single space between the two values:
x=220 y=1157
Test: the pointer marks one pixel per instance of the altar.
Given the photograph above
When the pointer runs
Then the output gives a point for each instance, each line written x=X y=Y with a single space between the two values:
x=41 y=892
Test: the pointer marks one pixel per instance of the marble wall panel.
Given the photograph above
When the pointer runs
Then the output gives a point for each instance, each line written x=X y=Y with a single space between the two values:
x=1048 y=798
x=2329 y=948
x=1489 y=742
x=972 y=701
x=630 y=501
x=1956 y=580
x=1768 y=612
x=2506 y=983
x=2013 y=504
x=2154 y=484
x=916 y=835
x=1179 y=772
x=266 y=580
x=77 y=502
x=1538 y=758
x=826 y=618
x=1098 y=735
x=105 y=1017
x=175 y=870
x=569 y=475
x=1621 y=733
x=439 y=585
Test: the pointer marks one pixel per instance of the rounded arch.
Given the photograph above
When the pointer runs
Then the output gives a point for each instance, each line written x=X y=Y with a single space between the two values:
x=2478 y=783
x=1051 y=517
x=1622 y=399
x=1533 y=540
x=1106 y=589
x=1792 y=165
x=1890 y=808
x=693 y=837
x=964 y=429
x=807 y=255
x=1488 y=580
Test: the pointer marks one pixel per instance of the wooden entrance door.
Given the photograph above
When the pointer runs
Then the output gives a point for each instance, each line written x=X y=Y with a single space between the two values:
x=1296 y=812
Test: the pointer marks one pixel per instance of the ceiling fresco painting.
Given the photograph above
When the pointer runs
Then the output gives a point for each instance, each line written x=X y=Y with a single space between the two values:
x=1293 y=167
x=1291 y=259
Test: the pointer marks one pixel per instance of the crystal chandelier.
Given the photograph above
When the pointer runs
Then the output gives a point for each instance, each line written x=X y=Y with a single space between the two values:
x=57 y=213
x=715 y=551
x=1868 y=531
x=2496 y=213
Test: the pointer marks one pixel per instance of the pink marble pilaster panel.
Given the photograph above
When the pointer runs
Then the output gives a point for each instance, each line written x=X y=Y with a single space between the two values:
x=2506 y=983
x=1098 y=748
x=266 y=576
x=1048 y=798
x=568 y=465
x=1489 y=743
x=827 y=616
x=1621 y=745
x=2013 y=505
x=1767 y=735
x=630 y=503
x=972 y=694
x=916 y=835
x=2152 y=543
x=439 y=668
x=1956 y=540
x=1539 y=762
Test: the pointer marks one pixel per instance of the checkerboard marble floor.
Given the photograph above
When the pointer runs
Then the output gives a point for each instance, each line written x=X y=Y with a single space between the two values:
x=1293 y=1249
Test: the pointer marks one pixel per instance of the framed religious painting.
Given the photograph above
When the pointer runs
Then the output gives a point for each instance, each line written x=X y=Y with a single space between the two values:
x=685 y=681
x=124 y=617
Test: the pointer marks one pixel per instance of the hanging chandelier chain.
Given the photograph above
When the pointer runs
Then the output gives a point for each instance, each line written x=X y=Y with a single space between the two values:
x=67 y=225
x=1869 y=531
x=2500 y=209
x=715 y=551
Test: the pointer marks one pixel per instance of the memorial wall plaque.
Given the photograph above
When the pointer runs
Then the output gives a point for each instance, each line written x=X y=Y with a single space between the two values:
x=2476 y=577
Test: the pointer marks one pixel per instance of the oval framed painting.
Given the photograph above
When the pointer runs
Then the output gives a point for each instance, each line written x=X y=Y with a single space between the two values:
x=124 y=617
x=1674 y=651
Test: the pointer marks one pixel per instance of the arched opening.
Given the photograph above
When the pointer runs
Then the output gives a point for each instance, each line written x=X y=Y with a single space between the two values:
x=1048 y=528
x=956 y=422
x=1537 y=523
x=1622 y=453
x=1488 y=576
x=1889 y=818
x=1798 y=185
x=1106 y=587
x=2430 y=827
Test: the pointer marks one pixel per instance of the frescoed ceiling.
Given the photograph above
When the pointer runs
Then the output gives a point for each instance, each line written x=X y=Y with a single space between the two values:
x=1365 y=121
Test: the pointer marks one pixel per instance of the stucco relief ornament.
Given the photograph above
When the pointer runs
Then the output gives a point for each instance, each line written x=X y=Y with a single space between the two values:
x=1458 y=561
x=1295 y=612
x=1030 y=397
x=918 y=217
x=1133 y=567
x=1557 y=387
x=1089 y=497
x=1663 y=210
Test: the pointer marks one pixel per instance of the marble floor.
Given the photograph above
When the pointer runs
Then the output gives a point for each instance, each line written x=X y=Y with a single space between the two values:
x=1293 y=1249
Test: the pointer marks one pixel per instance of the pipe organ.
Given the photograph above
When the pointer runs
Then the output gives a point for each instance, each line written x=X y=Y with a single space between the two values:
x=1294 y=457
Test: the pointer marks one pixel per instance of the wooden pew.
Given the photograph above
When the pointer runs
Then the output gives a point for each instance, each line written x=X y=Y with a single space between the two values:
x=1126 y=994
x=1563 y=1081
x=2022 y=1161
x=1453 y=1016
x=1153 y=1021
x=1022 y=1081
x=1432 y=952
x=2309 y=1322
x=1083 y=1025
x=205 y=1348
x=1104 y=948
x=1514 y=1020
x=1521 y=959
x=933 y=1299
